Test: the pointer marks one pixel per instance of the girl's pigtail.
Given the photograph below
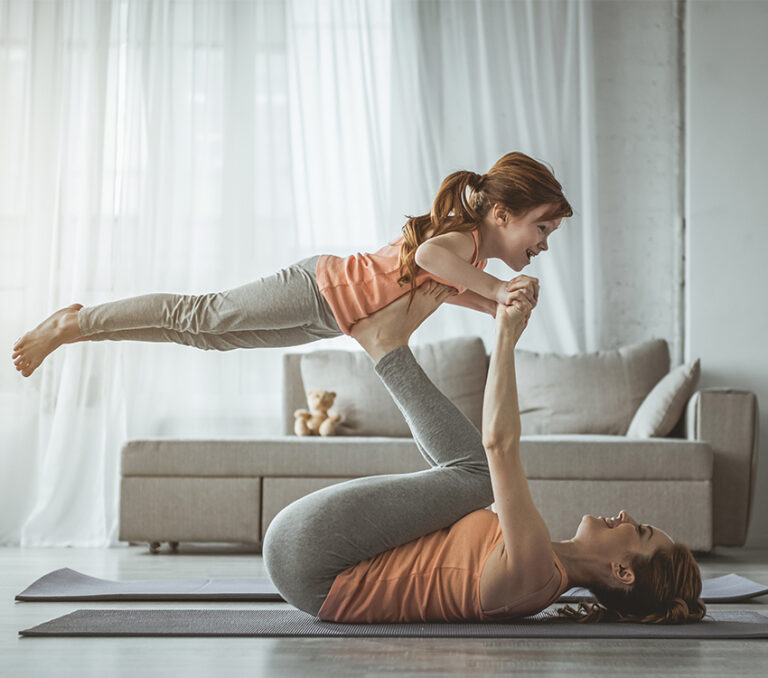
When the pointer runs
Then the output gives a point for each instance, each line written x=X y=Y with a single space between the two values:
x=451 y=211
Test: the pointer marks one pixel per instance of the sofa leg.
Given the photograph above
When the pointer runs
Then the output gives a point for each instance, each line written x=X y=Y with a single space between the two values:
x=174 y=546
x=154 y=547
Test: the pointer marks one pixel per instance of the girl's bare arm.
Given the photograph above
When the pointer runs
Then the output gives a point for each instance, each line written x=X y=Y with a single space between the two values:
x=447 y=256
x=473 y=300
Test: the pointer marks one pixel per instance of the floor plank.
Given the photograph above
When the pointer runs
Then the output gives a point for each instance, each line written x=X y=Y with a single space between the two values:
x=317 y=657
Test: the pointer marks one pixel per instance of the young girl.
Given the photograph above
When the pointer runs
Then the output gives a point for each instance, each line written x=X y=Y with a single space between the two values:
x=509 y=214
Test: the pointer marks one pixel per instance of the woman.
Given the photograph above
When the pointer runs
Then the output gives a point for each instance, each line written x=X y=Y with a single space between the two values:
x=422 y=547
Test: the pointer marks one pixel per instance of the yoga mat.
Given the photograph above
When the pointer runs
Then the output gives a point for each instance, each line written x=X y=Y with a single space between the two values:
x=274 y=623
x=66 y=585
x=728 y=588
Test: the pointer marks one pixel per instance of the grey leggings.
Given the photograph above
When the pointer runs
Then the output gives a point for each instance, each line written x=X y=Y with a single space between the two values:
x=284 y=309
x=318 y=536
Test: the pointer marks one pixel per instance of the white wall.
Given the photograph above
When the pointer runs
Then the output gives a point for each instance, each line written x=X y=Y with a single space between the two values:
x=727 y=227
x=638 y=144
x=703 y=288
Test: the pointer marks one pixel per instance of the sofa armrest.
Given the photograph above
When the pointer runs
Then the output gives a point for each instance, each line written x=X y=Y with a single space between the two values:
x=727 y=419
x=294 y=397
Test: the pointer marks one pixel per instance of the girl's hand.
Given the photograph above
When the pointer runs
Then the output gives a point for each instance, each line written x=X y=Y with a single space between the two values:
x=525 y=284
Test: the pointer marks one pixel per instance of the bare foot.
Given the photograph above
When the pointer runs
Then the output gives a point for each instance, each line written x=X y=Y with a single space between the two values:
x=58 y=328
x=394 y=324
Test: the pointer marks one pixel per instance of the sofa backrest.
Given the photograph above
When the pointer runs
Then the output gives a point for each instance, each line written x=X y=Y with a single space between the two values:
x=594 y=393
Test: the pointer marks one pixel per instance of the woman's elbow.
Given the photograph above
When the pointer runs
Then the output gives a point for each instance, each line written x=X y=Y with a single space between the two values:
x=501 y=445
x=492 y=445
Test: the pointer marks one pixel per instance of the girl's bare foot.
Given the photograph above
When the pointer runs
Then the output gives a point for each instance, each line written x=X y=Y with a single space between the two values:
x=59 y=328
x=394 y=324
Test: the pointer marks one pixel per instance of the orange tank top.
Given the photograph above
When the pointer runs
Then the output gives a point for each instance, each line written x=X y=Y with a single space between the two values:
x=433 y=578
x=360 y=284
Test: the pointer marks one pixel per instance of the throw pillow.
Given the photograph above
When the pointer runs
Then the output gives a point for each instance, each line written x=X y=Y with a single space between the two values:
x=663 y=406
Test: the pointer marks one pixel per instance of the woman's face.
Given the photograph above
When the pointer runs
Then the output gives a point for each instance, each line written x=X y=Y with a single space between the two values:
x=524 y=237
x=616 y=539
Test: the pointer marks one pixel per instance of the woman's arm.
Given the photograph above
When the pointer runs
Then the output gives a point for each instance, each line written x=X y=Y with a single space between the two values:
x=447 y=256
x=527 y=547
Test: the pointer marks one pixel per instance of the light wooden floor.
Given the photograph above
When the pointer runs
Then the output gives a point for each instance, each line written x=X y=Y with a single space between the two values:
x=288 y=657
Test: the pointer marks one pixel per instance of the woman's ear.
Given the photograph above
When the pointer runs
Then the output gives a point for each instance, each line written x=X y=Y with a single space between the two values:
x=622 y=573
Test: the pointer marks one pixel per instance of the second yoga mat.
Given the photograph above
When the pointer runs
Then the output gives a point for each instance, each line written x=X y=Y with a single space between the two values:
x=69 y=585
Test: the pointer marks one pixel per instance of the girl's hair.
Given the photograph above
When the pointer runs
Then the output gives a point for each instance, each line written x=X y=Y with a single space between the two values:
x=516 y=181
x=667 y=590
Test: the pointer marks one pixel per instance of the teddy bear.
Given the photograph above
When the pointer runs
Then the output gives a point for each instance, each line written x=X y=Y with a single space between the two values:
x=317 y=420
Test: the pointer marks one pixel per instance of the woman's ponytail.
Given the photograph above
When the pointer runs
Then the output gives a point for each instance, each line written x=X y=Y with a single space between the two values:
x=667 y=590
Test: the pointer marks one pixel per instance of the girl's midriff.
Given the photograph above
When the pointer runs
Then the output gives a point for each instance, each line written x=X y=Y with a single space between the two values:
x=357 y=286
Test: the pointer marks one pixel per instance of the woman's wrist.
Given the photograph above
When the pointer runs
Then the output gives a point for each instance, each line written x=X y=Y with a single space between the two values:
x=510 y=322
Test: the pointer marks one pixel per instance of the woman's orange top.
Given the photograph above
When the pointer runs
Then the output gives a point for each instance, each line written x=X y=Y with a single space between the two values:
x=360 y=284
x=433 y=578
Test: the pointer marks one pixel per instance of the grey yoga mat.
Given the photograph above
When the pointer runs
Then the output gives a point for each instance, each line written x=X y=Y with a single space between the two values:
x=66 y=584
x=272 y=623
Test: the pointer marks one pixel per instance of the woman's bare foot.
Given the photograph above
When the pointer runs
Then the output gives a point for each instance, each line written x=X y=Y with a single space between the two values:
x=58 y=328
x=394 y=324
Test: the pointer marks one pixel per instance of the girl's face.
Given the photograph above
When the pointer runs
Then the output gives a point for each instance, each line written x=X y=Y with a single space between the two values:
x=524 y=237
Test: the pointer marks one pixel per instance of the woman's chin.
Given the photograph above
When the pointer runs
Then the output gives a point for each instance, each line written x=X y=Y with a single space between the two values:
x=585 y=526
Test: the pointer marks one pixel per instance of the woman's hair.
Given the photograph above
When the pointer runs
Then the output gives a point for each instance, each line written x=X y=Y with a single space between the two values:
x=516 y=181
x=666 y=591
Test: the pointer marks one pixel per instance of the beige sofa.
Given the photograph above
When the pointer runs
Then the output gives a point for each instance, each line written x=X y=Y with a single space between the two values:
x=696 y=482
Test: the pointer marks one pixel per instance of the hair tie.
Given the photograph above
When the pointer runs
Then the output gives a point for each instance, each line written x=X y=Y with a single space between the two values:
x=477 y=180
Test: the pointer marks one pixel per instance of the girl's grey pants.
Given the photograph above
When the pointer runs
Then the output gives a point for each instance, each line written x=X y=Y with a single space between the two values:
x=318 y=536
x=284 y=309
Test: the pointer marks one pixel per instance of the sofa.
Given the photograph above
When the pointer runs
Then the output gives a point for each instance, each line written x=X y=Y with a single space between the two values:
x=601 y=432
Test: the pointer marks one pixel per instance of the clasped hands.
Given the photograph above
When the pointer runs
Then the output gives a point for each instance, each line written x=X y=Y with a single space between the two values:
x=516 y=299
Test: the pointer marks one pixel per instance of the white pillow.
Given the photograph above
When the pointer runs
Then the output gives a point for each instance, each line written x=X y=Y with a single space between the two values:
x=456 y=366
x=663 y=406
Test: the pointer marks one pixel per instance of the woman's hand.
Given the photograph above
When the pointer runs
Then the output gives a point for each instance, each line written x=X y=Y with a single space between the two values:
x=514 y=317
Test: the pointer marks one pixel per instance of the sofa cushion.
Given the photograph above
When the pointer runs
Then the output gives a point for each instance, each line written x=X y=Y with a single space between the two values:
x=663 y=406
x=552 y=456
x=456 y=366
x=587 y=393
x=602 y=457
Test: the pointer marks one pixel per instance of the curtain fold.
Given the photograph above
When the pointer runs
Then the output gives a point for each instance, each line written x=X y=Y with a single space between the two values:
x=189 y=147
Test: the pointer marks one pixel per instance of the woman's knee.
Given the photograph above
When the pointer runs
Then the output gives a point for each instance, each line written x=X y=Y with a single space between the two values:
x=293 y=565
x=278 y=546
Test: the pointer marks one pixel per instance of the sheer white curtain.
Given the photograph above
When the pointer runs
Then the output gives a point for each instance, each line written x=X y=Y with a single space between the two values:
x=189 y=147
x=475 y=79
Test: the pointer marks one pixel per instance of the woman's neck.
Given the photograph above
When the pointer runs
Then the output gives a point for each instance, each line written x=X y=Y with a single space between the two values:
x=579 y=566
